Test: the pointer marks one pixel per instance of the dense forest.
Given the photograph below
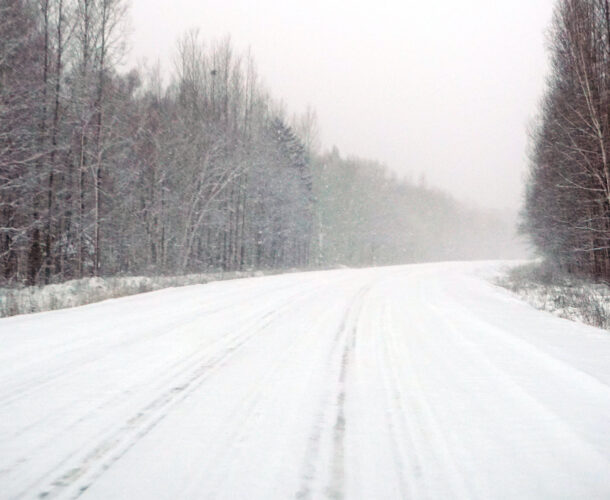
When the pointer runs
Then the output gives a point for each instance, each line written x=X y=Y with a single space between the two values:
x=567 y=210
x=105 y=171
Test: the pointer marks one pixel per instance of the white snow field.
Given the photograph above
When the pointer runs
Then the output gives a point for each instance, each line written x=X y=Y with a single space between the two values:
x=412 y=382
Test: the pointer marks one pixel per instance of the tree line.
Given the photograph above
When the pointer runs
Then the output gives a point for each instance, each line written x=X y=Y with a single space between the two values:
x=567 y=209
x=104 y=173
x=107 y=172
x=366 y=215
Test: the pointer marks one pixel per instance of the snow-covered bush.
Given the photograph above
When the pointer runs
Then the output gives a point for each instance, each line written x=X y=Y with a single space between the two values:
x=545 y=287
x=86 y=291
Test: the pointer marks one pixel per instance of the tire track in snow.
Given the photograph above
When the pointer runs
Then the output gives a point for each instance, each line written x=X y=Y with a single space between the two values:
x=404 y=448
x=91 y=357
x=120 y=441
x=248 y=417
x=435 y=467
x=215 y=306
x=511 y=387
x=135 y=428
x=333 y=402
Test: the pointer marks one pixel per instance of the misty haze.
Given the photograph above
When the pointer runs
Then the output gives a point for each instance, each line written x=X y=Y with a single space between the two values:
x=287 y=250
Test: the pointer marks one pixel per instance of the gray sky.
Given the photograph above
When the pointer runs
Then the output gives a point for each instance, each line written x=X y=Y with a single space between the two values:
x=441 y=87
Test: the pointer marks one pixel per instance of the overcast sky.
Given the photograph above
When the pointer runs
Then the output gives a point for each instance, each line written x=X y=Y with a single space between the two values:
x=442 y=87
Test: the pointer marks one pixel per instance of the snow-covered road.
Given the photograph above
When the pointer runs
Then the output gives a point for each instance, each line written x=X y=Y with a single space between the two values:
x=409 y=382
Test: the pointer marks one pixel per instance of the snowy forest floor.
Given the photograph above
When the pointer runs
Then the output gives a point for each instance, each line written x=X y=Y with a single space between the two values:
x=566 y=296
x=74 y=293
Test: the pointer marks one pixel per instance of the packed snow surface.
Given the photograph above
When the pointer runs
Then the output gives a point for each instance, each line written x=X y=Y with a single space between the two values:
x=414 y=382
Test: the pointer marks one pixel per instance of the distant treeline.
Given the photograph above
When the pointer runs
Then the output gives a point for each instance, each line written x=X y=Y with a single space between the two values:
x=567 y=209
x=107 y=172
x=365 y=215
